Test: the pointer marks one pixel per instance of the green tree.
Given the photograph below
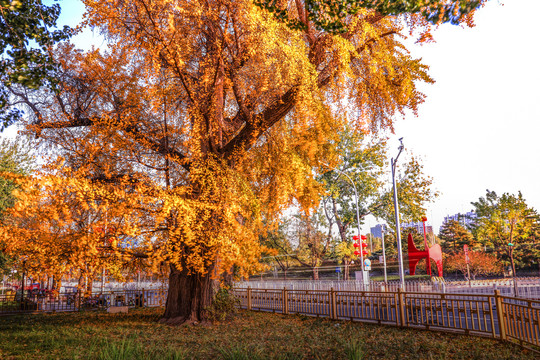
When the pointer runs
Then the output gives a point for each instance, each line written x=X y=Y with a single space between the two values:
x=313 y=243
x=14 y=160
x=527 y=256
x=26 y=41
x=454 y=236
x=504 y=222
x=344 y=251
x=365 y=161
x=278 y=241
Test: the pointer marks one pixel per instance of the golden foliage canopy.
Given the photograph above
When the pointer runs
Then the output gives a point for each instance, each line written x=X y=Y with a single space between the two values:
x=200 y=119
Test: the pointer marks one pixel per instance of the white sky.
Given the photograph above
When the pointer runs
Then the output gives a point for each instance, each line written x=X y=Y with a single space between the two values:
x=478 y=128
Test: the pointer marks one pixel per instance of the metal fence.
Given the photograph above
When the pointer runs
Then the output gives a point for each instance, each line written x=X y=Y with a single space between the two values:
x=47 y=302
x=496 y=316
x=528 y=288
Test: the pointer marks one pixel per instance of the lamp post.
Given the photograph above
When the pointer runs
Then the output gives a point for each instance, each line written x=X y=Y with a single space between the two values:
x=357 y=215
x=396 y=211
x=357 y=211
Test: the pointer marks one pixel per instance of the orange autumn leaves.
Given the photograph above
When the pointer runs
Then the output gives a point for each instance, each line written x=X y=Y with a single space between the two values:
x=66 y=220
x=198 y=125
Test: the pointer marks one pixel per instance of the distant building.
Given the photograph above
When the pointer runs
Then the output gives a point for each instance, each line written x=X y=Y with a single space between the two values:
x=466 y=220
x=418 y=226
x=376 y=231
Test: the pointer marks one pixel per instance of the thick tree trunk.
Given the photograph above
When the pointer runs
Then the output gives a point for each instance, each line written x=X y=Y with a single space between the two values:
x=315 y=273
x=188 y=298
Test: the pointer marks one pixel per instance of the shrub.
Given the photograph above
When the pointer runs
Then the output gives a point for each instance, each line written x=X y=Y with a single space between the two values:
x=225 y=304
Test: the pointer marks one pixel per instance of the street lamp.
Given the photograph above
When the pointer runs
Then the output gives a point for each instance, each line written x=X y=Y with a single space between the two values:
x=396 y=211
x=357 y=216
x=357 y=211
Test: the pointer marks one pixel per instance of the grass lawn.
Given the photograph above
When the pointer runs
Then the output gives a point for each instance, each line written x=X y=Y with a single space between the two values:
x=249 y=335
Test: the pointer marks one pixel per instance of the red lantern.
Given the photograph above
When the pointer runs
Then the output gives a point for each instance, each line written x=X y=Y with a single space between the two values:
x=364 y=245
x=364 y=237
x=364 y=252
x=357 y=252
x=355 y=237
x=356 y=245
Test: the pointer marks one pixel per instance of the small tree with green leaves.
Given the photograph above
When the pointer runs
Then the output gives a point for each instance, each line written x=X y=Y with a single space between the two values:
x=504 y=222
x=313 y=244
x=280 y=250
x=454 y=236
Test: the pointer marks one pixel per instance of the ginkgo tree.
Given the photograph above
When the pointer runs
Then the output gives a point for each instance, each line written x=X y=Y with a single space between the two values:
x=204 y=118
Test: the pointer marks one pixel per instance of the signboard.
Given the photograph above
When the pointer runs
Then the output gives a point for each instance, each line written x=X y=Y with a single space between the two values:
x=367 y=264
x=338 y=269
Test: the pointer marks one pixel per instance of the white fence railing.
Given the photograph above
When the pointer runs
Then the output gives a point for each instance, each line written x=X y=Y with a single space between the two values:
x=120 y=286
x=528 y=288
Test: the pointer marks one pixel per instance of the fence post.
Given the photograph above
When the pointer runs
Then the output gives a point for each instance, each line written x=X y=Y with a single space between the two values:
x=333 y=304
x=249 y=298
x=143 y=299
x=79 y=300
x=285 y=298
x=500 y=315
x=401 y=306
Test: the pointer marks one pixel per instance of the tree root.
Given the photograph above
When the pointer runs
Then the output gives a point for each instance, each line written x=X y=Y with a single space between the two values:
x=182 y=320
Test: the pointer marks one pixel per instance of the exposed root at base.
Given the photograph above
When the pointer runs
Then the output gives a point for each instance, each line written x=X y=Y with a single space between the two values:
x=181 y=320
x=175 y=321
